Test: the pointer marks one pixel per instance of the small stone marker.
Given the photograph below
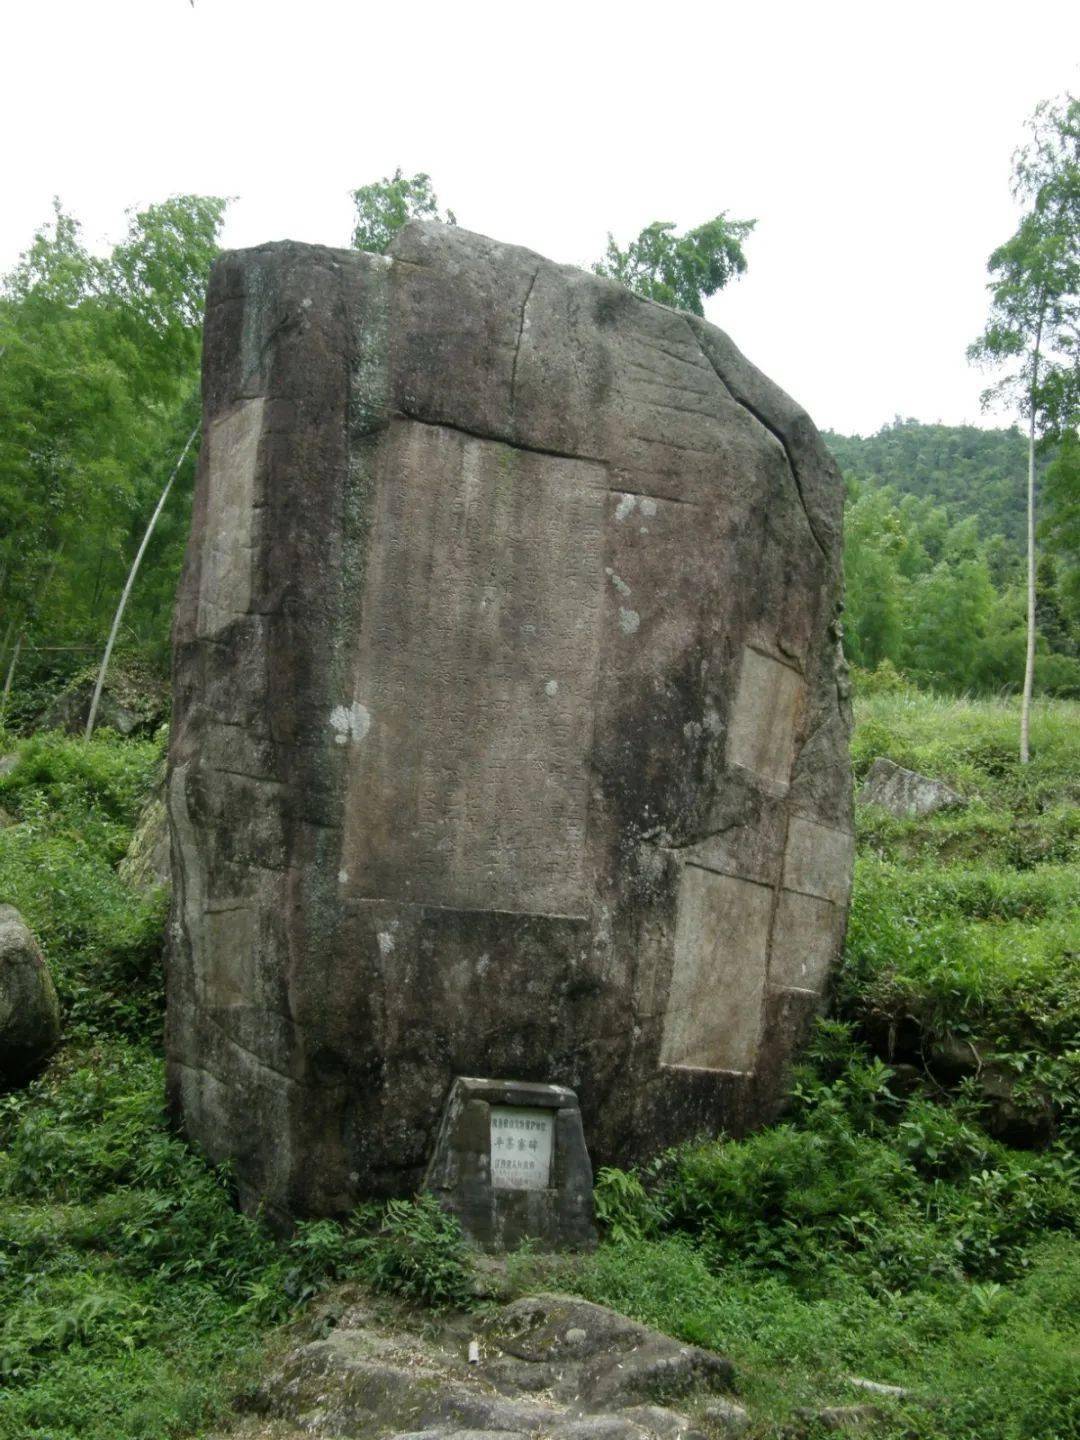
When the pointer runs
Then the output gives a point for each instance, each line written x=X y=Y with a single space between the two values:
x=510 y=1162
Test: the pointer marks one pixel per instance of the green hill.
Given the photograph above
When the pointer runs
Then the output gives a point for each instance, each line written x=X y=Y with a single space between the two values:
x=977 y=474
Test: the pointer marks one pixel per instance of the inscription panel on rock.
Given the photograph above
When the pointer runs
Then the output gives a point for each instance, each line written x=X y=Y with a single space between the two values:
x=225 y=576
x=806 y=938
x=521 y=1145
x=767 y=707
x=713 y=1017
x=475 y=676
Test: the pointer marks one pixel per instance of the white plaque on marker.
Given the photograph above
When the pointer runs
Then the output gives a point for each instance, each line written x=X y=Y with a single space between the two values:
x=521 y=1147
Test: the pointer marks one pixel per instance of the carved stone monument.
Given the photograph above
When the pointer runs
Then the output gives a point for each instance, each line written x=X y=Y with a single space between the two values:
x=510 y=729
x=511 y=1162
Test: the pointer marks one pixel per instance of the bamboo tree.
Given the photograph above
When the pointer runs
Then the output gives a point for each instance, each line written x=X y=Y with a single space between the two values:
x=10 y=674
x=1034 y=317
x=129 y=582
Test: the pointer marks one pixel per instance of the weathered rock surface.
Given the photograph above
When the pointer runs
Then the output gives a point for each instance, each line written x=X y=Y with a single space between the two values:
x=510 y=728
x=550 y=1365
x=29 y=1008
x=147 y=863
x=725 y=1417
x=905 y=793
x=603 y=1360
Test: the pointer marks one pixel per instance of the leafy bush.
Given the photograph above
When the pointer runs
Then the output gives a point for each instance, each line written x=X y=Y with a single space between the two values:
x=77 y=804
x=624 y=1208
x=419 y=1252
x=122 y=1253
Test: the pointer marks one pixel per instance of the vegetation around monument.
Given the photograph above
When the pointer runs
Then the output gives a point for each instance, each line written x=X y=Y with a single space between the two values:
x=879 y=1231
x=913 y=1218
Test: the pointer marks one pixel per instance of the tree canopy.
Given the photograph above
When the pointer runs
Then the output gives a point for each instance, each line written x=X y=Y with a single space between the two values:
x=1033 y=330
x=679 y=270
x=98 y=388
x=385 y=205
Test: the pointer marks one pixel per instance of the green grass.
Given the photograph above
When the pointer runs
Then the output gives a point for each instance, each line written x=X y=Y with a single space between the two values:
x=1002 y=1360
x=880 y=1230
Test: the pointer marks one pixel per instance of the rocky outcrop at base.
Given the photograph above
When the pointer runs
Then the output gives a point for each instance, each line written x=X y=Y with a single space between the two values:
x=546 y=1365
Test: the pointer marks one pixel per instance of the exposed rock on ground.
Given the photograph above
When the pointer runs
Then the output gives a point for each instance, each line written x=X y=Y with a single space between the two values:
x=550 y=1365
x=29 y=1009
x=1017 y=1111
x=905 y=793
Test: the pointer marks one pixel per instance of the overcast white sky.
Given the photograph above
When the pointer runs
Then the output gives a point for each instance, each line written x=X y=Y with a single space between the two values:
x=871 y=141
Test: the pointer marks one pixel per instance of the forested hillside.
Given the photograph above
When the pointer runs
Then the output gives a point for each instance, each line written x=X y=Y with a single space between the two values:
x=976 y=473
x=934 y=559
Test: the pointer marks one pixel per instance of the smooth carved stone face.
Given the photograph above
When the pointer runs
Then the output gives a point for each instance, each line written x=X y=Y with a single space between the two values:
x=233 y=442
x=509 y=731
x=766 y=717
x=713 y=1018
x=475 y=676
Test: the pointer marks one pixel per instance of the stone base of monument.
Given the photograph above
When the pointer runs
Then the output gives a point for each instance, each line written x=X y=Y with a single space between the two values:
x=511 y=1163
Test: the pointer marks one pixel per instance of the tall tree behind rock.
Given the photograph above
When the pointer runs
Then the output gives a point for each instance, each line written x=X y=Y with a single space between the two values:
x=680 y=270
x=1034 y=319
x=385 y=205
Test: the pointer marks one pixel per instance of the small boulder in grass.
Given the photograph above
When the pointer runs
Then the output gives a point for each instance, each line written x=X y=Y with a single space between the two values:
x=905 y=793
x=29 y=1008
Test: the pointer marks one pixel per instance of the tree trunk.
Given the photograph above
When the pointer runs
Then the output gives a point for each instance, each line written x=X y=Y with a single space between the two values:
x=129 y=583
x=1029 y=660
x=8 y=633
x=10 y=675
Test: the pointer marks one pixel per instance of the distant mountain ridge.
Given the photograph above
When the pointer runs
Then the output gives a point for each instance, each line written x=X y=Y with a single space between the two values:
x=973 y=472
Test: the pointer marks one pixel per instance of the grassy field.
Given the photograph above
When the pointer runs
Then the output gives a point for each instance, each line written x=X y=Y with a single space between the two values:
x=912 y=1221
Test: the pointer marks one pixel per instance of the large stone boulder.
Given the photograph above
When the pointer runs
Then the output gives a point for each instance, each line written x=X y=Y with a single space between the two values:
x=510 y=726
x=29 y=1009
